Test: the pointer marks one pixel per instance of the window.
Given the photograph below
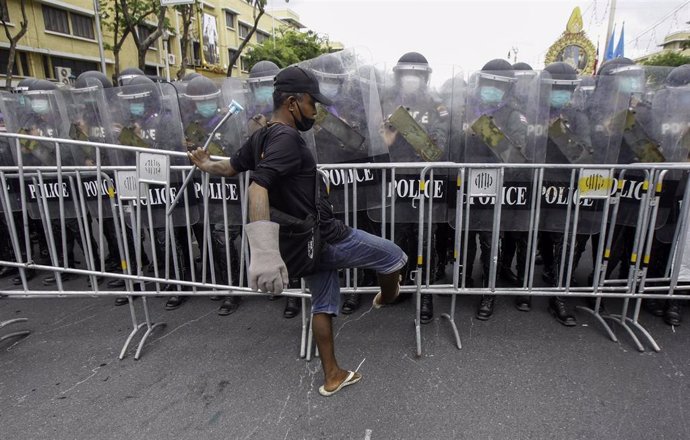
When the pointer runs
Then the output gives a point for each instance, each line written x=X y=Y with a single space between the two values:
x=144 y=31
x=58 y=20
x=78 y=66
x=196 y=53
x=55 y=19
x=231 y=53
x=3 y=11
x=229 y=19
x=21 y=63
x=244 y=30
x=82 y=26
x=261 y=37
x=243 y=63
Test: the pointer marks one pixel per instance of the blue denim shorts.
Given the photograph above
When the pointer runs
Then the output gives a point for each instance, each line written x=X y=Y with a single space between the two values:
x=359 y=249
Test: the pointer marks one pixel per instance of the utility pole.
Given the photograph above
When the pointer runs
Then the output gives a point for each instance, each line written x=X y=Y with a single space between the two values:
x=609 y=30
x=99 y=34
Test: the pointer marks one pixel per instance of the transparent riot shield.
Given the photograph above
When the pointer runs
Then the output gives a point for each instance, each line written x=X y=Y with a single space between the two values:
x=7 y=103
x=671 y=110
x=42 y=113
x=640 y=140
x=504 y=127
x=88 y=117
x=580 y=132
x=147 y=115
x=348 y=130
x=416 y=128
x=202 y=112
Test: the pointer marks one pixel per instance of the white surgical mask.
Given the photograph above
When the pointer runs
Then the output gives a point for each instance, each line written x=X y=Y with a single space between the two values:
x=330 y=90
x=410 y=84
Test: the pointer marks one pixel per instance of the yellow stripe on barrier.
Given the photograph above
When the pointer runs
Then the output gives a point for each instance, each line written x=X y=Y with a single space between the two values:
x=111 y=192
x=459 y=182
x=420 y=260
x=633 y=258
x=659 y=187
x=123 y=263
x=646 y=259
x=607 y=254
x=455 y=254
x=645 y=185
x=422 y=184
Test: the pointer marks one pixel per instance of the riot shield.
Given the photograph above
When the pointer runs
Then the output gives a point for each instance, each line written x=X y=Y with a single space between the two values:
x=147 y=115
x=42 y=113
x=202 y=112
x=416 y=128
x=641 y=138
x=89 y=120
x=347 y=131
x=502 y=126
x=586 y=130
x=7 y=146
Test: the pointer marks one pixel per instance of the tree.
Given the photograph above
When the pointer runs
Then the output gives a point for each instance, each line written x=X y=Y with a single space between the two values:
x=672 y=59
x=187 y=12
x=288 y=47
x=113 y=21
x=23 y=26
x=134 y=13
x=259 y=10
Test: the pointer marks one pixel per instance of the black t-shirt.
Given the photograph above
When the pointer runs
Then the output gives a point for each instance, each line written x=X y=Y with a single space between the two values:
x=281 y=162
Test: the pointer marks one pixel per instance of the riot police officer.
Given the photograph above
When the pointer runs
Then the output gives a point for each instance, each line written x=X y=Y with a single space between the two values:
x=205 y=113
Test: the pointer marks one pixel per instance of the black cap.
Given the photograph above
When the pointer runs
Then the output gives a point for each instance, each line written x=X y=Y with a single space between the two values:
x=295 y=79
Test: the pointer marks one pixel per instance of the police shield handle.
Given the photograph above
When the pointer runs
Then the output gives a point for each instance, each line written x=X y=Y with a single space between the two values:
x=233 y=109
x=129 y=136
x=572 y=148
x=348 y=136
x=496 y=140
x=644 y=148
x=415 y=135
x=45 y=153
x=195 y=136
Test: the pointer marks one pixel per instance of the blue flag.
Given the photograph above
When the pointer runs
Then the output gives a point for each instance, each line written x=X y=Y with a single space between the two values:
x=609 y=46
x=620 y=49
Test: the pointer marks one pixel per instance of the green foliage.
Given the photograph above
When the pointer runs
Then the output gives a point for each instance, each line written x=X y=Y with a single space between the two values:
x=672 y=59
x=290 y=46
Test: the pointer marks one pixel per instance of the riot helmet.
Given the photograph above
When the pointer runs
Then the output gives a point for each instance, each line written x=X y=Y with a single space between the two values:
x=521 y=67
x=679 y=76
x=23 y=85
x=563 y=78
x=128 y=74
x=261 y=81
x=495 y=81
x=190 y=76
x=40 y=93
x=140 y=96
x=412 y=73
x=204 y=93
x=91 y=80
x=631 y=76
x=330 y=72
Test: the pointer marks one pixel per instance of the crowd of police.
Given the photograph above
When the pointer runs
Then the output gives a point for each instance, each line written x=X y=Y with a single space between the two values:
x=501 y=114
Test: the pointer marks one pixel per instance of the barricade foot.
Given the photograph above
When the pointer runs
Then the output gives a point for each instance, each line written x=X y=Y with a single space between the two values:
x=146 y=335
x=310 y=341
x=618 y=319
x=305 y=329
x=600 y=319
x=418 y=334
x=129 y=340
x=21 y=333
x=453 y=326
x=646 y=334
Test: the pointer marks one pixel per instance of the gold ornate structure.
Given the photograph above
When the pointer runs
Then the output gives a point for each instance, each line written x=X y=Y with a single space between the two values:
x=573 y=47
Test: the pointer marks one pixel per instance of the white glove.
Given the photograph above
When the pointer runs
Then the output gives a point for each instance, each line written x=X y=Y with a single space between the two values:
x=267 y=271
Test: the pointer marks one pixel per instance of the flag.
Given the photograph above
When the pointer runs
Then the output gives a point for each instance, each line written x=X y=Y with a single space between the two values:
x=596 y=59
x=620 y=48
x=609 y=46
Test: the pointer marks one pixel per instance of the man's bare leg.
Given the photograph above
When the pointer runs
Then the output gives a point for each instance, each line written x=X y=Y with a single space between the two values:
x=322 y=326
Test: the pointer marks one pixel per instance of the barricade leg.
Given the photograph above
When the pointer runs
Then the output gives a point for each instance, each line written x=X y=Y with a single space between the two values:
x=21 y=333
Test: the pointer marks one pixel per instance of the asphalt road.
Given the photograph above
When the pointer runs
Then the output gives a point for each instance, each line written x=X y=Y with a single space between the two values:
x=518 y=376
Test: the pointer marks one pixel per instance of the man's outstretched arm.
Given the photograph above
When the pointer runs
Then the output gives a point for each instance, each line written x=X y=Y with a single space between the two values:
x=202 y=159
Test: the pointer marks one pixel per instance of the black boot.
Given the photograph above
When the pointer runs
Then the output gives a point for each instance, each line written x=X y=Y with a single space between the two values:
x=654 y=306
x=351 y=303
x=672 y=313
x=230 y=305
x=560 y=312
x=174 y=302
x=523 y=303
x=426 y=310
x=486 y=307
x=292 y=307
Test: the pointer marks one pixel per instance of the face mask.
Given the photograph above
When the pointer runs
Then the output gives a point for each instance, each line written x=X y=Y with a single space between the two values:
x=40 y=106
x=490 y=94
x=136 y=109
x=305 y=124
x=410 y=84
x=263 y=94
x=206 y=109
x=631 y=85
x=330 y=90
x=559 y=98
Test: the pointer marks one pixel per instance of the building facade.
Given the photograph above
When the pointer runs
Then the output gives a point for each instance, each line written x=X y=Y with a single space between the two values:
x=61 y=40
x=678 y=42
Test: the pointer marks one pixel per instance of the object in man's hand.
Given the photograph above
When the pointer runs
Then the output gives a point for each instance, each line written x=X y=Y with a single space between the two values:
x=414 y=134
